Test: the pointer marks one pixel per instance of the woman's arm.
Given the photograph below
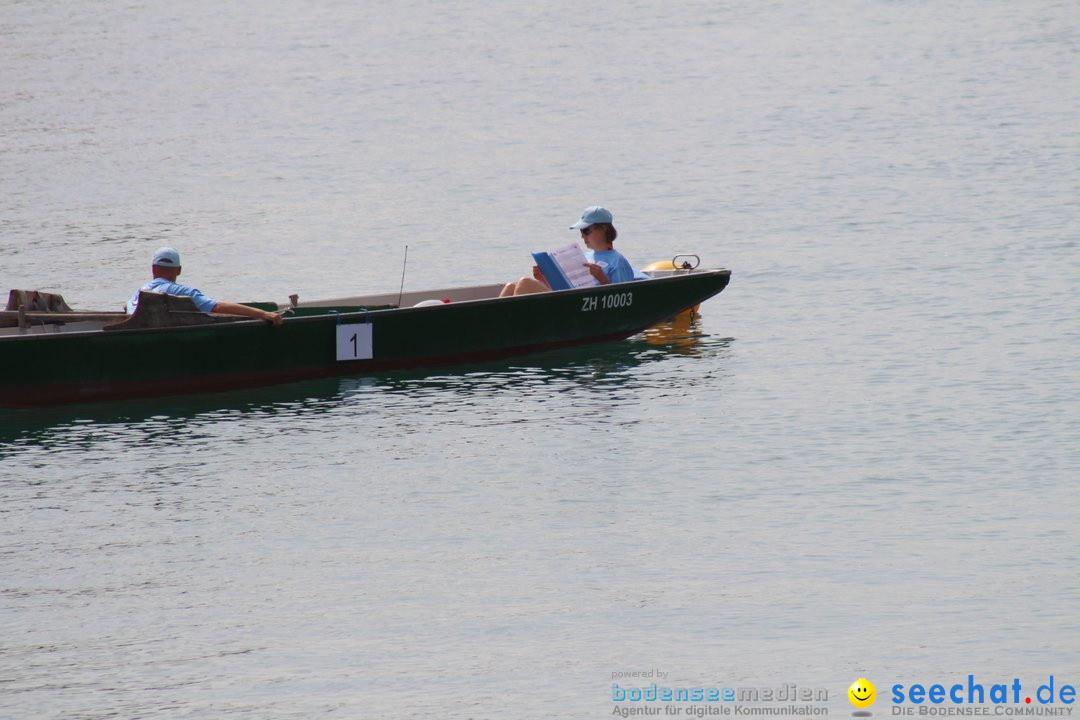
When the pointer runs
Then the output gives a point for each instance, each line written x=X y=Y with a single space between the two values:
x=598 y=273
x=539 y=277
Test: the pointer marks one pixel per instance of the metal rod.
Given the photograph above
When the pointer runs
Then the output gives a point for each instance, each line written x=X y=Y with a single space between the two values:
x=402 y=288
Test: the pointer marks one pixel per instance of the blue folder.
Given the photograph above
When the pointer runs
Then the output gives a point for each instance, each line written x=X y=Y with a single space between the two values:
x=552 y=272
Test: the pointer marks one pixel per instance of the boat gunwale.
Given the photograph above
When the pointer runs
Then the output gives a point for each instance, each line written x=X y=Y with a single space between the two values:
x=339 y=317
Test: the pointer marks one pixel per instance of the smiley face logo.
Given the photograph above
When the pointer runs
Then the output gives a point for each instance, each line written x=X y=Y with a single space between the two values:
x=862 y=693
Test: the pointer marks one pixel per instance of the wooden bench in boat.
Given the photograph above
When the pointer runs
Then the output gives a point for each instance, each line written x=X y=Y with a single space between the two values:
x=34 y=307
x=29 y=308
x=157 y=310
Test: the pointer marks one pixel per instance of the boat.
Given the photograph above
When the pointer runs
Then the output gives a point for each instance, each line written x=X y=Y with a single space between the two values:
x=53 y=355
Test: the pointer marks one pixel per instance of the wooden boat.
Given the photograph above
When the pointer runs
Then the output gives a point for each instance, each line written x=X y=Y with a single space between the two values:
x=56 y=355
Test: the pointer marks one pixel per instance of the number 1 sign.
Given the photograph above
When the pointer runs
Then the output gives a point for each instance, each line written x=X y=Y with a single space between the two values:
x=354 y=342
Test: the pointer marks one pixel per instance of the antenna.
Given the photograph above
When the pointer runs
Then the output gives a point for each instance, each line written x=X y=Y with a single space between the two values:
x=400 y=289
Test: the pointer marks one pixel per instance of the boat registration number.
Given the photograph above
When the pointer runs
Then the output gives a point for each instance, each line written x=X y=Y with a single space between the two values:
x=354 y=342
x=607 y=302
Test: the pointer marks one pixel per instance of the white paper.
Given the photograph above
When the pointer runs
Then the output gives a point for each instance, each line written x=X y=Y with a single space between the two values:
x=572 y=262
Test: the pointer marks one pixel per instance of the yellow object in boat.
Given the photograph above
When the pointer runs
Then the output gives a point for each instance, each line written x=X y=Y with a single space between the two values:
x=661 y=265
x=679 y=262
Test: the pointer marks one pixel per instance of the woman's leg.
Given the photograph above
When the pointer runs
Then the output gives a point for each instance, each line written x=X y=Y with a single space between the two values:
x=524 y=286
x=527 y=285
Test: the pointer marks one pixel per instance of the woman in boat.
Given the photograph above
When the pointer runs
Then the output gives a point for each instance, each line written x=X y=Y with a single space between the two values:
x=605 y=264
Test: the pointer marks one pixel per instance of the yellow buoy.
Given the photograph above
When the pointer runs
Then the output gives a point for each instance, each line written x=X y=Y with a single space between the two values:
x=661 y=265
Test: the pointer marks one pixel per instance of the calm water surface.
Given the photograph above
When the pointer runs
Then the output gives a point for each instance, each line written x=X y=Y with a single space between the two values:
x=860 y=461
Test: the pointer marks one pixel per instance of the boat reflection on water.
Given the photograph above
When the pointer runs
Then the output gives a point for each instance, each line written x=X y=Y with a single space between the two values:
x=632 y=367
x=616 y=365
x=681 y=334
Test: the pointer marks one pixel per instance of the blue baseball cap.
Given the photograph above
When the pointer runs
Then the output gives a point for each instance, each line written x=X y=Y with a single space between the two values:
x=591 y=216
x=167 y=257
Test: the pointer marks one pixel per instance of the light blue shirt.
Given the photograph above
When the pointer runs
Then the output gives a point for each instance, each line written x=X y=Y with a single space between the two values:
x=168 y=287
x=615 y=266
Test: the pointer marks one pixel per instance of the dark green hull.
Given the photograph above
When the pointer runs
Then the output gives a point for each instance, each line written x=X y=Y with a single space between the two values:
x=75 y=367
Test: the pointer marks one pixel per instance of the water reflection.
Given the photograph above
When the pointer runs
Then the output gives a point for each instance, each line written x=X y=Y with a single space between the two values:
x=682 y=334
x=620 y=367
x=610 y=366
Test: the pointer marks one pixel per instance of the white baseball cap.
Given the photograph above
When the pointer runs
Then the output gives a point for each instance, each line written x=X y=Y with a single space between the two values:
x=591 y=216
x=167 y=257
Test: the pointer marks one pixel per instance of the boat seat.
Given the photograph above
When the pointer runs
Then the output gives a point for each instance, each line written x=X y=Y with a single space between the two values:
x=157 y=310
x=36 y=301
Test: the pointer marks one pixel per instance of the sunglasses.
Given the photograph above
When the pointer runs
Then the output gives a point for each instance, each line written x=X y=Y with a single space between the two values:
x=586 y=231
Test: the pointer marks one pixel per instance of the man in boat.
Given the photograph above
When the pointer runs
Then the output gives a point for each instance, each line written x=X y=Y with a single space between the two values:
x=166 y=268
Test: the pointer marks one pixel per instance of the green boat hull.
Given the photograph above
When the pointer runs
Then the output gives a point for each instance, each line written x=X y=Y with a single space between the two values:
x=87 y=366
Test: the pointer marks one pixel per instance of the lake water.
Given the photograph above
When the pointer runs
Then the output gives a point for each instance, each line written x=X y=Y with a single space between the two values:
x=861 y=461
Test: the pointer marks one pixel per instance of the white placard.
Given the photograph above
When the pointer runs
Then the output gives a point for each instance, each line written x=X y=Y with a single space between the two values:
x=354 y=342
